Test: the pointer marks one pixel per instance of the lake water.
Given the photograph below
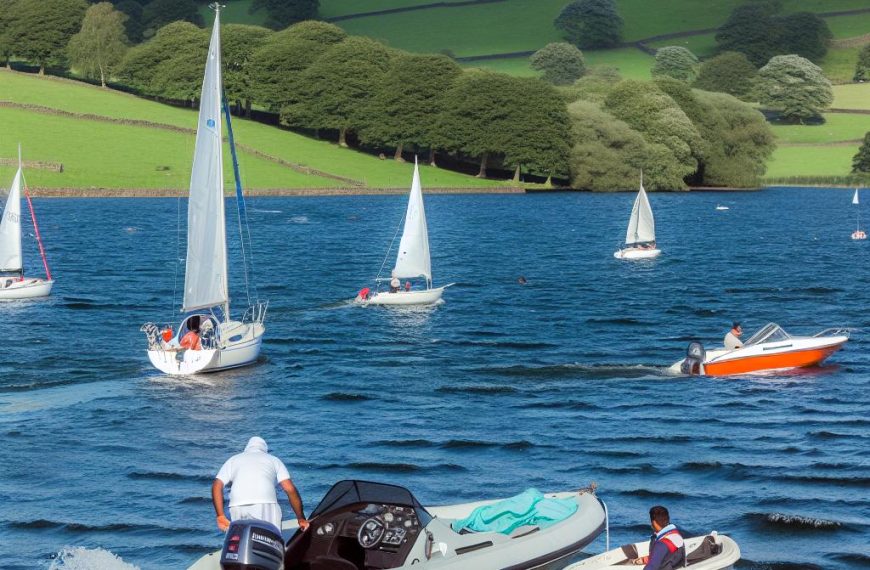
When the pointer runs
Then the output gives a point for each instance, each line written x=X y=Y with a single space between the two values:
x=553 y=384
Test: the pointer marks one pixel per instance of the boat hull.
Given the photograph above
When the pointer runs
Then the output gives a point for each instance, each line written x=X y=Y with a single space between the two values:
x=794 y=353
x=405 y=298
x=613 y=559
x=637 y=253
x=231 y=354
x=27 y=288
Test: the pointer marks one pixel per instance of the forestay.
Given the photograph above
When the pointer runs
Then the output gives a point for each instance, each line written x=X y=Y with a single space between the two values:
x=413 y=258
x=642 y=225
x=205 y=283
x=10 y=227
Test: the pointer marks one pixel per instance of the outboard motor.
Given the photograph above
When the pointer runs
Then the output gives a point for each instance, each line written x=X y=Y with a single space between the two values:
x=694 y=361
x=252 y=545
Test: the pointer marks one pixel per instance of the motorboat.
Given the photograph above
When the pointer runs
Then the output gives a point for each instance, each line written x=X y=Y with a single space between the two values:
x=13 y=284
x=361 y=525
x=710 y=552
x=224 y=342
x=640 y=237
x=771 y=348
x=413 y=261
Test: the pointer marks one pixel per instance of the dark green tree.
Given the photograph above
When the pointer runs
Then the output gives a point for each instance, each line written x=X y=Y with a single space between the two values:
x=590 y=24
x=282 y=13
x=277 y=65
x=100 y=45
x=408 y=100
x=676 y=62
x=560 y=63
x=6 y=46
x=752 y=30
x=239 y=43
x=861 y=161
x=729 y=72
x=134 y=25
x=594 y=86
x=39 y=30
x=805 y=34
x=794 y=86
x=862 y=67
x=159 y=13
x=179 y=44
x=336 y=87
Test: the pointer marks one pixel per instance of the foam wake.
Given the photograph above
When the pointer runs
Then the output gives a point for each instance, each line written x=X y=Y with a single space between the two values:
x=81 y=558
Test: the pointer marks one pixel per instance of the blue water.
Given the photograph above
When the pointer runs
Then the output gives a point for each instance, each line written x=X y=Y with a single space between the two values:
x=553 y=384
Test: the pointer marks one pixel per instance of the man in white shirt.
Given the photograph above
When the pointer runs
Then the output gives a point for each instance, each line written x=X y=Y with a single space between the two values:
x=732 y=339
x=253 y=475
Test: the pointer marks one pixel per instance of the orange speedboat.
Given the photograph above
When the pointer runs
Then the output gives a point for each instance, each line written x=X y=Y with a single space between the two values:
x=771 y=348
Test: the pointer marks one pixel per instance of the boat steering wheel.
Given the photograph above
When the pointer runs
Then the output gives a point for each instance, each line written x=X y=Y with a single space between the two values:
x=371 y=532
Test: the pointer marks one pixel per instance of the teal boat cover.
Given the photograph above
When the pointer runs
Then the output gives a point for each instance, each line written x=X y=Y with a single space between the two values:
x=528 y=508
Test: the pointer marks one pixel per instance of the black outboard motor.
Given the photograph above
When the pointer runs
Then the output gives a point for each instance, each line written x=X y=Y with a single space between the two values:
x=252 y=545
x=694 y=361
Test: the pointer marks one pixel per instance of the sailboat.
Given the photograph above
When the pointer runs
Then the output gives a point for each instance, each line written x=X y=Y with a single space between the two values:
x=208 y=338
x=412 y=261
x=13 y=283
x=858 y=233
x=640 y=238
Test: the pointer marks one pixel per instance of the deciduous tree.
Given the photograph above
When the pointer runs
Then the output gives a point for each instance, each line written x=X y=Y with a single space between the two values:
x=39 y=30
x=590 y=24
x=282 y=13
x=134 y=25
x=794 y=86
x=100 y=45
x=862 y=67
x=861 y=161
x=676 y=62
x=180 y=45
x=159 y=13
x=561 y=63
x=729 y=72
x=239 y=43
x=6 y=46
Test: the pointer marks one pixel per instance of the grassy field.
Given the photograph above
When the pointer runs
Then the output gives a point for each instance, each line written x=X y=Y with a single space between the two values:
x=854 y=96
x=837 y=127
x=99 y=154
x=816 y=161
x=838 y=64
x=849 y=26
x=235 y=11
x=631 y=62
x=703 y=45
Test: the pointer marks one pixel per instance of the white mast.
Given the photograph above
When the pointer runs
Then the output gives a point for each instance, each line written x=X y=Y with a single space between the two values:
x=206 y=273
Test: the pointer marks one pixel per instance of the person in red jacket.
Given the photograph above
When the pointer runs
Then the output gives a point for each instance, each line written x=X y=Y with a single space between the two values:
x=191 y=340
x=667 y=550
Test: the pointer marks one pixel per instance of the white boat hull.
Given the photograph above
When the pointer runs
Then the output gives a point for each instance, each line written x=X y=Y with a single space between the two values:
x=637 y=253
x=27 y=288
x=616 y=558
x=426 y=297
x=232 y=353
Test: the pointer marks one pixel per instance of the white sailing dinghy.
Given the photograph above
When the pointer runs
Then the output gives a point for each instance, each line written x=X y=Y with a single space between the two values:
x=412 y=262
x=218 y=341
x=858 y=233
x=640 y=238
x=13 y=283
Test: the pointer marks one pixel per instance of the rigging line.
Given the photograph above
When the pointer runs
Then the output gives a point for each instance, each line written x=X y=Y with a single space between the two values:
x=36 y=229
x=389 y=249
x=177 y=258
x=240 y=199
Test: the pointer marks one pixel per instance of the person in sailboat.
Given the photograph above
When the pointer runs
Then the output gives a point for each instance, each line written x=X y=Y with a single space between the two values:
x=407 y=286
x=732 y=339
x=192 y=339
x=647 y=245
x=395 y=283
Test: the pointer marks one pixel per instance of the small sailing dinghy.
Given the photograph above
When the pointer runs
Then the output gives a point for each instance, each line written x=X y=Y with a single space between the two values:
x=13 y=283
x=412 y=261
x=362 y=525
x=722 y=208
x=711 y=552
x=208 y=338
x=640 y=237
x=858 y=233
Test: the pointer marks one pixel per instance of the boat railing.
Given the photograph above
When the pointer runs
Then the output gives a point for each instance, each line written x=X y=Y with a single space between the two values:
x=835 y=331
x=256 y=313
x=152 y=333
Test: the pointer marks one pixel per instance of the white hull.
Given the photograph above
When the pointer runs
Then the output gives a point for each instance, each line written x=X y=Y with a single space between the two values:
x=231 y=354
x=426 y=297
x=637 y=253
x=616 y=558
x=28 y=288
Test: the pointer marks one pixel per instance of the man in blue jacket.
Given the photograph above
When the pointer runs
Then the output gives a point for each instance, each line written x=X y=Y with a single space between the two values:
x=666 y=548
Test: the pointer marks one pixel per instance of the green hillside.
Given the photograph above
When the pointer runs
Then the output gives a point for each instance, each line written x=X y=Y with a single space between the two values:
x=118 y=155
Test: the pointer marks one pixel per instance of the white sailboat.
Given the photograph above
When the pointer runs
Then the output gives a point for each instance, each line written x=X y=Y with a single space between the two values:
x=640 y=237
x=13 y=283
x=858 y=233
x=208 y=338
x=412 y=261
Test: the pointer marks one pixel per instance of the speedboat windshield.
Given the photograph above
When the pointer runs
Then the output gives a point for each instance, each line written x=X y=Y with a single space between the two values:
x=349 y=492
x=771 y=332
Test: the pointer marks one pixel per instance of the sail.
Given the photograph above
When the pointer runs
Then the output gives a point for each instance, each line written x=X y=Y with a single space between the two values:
x=205 y=280
x=413 y=258
x=10 y=227
x=642 y=225
x=855 y=197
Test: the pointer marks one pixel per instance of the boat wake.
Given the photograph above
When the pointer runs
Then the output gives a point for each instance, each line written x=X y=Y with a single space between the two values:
x=584 y=371
x=81 y=558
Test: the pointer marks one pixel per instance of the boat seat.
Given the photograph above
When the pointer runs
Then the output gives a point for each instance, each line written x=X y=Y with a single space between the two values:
x=706 y=550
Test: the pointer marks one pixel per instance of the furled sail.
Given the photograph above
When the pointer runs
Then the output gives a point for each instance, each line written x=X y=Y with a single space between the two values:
x=413 y=258
x=642 y=225
x=205 y=282
x=10 y=226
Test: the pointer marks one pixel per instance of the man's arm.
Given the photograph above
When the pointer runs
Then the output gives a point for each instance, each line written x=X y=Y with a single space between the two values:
x=217 y=499
x=295 y=502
